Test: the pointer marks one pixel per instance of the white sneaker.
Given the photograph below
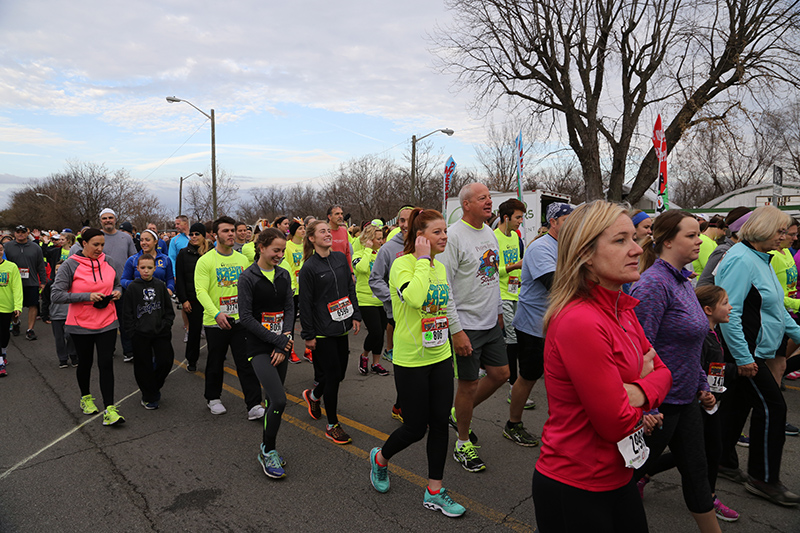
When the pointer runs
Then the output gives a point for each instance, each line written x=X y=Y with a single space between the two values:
x=186 y=335
x=216 y=407
x=256 y=412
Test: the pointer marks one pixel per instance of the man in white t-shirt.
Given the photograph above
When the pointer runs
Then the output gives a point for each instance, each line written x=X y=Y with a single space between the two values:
x=475 y=315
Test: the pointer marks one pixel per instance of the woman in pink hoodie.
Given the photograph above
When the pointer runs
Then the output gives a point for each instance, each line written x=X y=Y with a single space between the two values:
x=88 y=283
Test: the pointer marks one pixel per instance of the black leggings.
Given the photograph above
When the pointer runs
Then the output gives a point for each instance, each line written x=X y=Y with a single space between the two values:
x=426 y=393
x=5 y=334
x=713 y=441
x=683 y=432
x=565 y=509
x=272 y=379
x=85 y=346
x=195 y=329
x=330 y=364
x=375 y=321
x=152 y=362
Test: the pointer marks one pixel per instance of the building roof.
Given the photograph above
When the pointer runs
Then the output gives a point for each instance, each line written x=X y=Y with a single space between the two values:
x=750 y=189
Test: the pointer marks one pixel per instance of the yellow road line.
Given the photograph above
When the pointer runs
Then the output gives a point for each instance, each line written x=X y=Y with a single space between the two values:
x=484 y=510
x=792 y=387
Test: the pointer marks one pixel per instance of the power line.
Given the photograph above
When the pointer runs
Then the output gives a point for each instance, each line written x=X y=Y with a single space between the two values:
x=176 y=150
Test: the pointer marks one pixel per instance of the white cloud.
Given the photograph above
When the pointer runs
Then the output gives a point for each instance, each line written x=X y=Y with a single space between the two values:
x=118 y=61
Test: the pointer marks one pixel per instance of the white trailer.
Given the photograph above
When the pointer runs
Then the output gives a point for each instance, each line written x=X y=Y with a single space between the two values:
x=536 y=202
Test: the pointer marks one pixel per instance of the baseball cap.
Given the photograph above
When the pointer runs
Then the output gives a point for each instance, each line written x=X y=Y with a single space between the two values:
x=558 y=209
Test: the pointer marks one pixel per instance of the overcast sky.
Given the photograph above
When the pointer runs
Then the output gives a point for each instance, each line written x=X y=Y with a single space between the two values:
x=297 y=87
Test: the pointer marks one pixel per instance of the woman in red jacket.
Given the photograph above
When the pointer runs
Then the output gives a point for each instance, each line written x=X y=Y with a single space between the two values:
x=601 y=375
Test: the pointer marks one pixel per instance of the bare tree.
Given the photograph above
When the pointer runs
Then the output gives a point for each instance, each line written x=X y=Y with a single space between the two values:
x=562 y=175
x=498 y=156
x=263 y=202
x=722 y=156
x=78 y=194
x=198 y=202
x=782 y=125
x=597 y=69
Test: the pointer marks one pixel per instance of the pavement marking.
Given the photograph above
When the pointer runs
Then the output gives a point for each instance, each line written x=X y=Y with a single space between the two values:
x=64 y=436
x=484 y=510
x=792 y=387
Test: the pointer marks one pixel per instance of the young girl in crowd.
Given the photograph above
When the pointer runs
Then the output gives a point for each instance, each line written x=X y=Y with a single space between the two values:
x=266 y=310
x=328 y=310
x=147 y=315
x=422 y=364
x=372 y=311
x=10 y=304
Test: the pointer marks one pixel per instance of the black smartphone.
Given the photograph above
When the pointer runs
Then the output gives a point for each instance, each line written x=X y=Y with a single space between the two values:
x=102 y=304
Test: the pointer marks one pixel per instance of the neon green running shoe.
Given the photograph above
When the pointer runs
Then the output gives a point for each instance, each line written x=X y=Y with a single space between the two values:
x=111 y=416
x=87 y=405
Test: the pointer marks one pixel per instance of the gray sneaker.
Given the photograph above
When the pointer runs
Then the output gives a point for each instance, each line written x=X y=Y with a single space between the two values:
x=518 y=435
x=774 y=492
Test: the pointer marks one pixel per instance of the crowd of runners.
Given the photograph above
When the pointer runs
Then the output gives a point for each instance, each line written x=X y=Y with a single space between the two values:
x=649 y=333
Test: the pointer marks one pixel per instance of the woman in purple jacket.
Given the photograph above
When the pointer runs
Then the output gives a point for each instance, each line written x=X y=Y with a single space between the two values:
x=676 y=326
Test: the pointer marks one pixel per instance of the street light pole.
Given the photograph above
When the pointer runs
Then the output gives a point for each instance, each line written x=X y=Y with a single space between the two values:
x=180 y=191
x=172 y=99
x=45 y=196
x=414 y=139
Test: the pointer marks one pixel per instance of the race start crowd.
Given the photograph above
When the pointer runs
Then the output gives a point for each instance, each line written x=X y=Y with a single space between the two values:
x=648 y=333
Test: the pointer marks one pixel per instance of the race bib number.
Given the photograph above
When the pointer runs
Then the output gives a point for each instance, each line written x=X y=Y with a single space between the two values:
x=716 y=377
x=513 y=285
x=229 y=305
x=24 y=273
x=341 y=309
x=273 y=322
x=633 y=449
x=434 y=331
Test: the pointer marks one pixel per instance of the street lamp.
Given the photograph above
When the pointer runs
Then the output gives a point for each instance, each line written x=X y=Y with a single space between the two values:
x=172 y=100
x=45 y=196
x=180 y=191
x=414 y=140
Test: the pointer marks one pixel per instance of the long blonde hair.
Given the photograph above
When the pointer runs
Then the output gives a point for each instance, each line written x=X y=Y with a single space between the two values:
x=577 y=243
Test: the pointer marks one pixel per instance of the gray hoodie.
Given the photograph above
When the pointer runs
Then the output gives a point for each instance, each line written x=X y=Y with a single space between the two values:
x=379 y=277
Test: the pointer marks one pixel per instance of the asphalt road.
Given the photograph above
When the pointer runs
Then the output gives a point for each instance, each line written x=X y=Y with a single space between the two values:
x=179 y=468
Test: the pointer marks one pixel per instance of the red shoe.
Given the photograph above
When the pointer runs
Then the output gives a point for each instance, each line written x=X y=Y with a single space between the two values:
x=307 y=356
x=293 y=358
x=397 y=413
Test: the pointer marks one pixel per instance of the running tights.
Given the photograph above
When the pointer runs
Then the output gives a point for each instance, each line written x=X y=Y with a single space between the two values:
x=85 y=345
x=271 y=378
x=426 y=394
x=330 y=364
x=375 y=321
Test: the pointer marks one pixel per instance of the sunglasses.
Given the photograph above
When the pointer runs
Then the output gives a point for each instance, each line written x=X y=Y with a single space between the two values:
x=195 y=234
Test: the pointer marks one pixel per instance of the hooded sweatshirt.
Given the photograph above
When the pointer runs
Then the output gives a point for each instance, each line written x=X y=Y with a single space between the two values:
x=147 y=308
x=379 y=276
x=78 y=277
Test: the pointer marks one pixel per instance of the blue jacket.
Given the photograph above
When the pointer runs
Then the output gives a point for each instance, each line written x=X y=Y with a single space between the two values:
x=758 y=319
x=176 y=244
x=164 y=271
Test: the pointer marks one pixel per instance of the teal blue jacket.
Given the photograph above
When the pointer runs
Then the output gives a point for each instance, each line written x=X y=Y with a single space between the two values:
x=758 y=318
